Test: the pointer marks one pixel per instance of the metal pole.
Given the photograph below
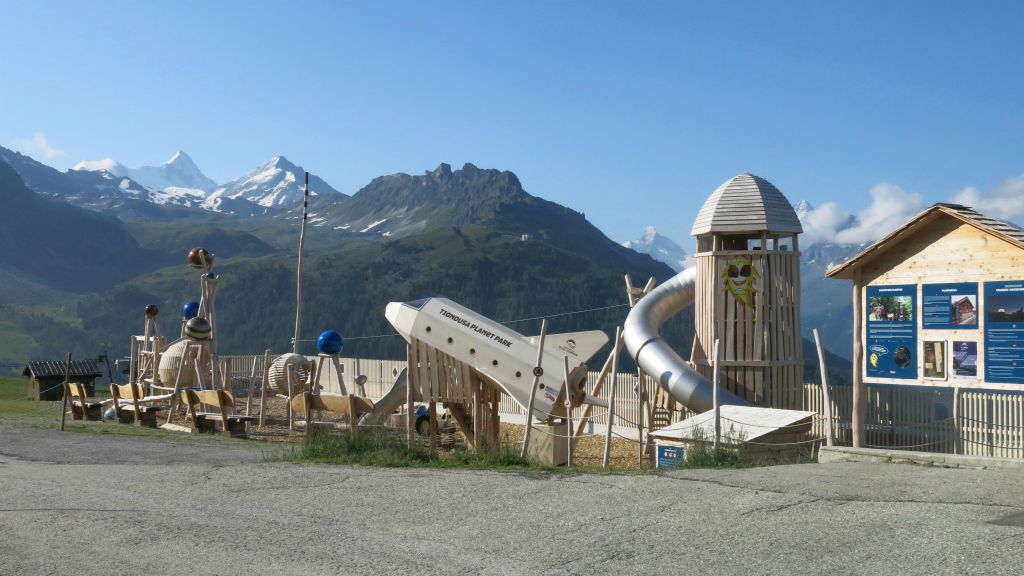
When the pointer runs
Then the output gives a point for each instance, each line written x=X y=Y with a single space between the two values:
x=298 y=267
x=538 y=371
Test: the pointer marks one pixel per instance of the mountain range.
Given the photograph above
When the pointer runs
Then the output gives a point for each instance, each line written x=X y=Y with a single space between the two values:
x=180 y=172
x=472 y=234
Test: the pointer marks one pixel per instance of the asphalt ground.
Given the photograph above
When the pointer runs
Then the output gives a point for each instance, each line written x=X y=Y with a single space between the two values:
x=77 y=503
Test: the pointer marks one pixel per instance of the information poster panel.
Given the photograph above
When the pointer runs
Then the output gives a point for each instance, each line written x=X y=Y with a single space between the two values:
x=891 y=332
x=1004 y=332
x=949 y=306
x=965 y=360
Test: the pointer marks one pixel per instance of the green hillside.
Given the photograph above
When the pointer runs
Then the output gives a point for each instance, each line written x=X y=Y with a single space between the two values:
x=499 y=275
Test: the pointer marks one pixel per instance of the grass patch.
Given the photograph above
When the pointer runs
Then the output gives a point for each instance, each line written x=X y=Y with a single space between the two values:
x=702 y=453
x=389 y=448
x=705 y=455
x=12 y=388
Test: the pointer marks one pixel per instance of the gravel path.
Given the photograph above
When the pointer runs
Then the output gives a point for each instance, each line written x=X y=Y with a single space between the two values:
x=91 y=504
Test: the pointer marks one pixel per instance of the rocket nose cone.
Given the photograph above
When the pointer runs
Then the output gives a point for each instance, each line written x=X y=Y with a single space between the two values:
x=391 y=313
x=401 y=317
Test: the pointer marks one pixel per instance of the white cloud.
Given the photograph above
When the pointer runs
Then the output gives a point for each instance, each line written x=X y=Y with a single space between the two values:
x=36 y=145
x=890 y=207
x=823 y=222
x=1005 y=201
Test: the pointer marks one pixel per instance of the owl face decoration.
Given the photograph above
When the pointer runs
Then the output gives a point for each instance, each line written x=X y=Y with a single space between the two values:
x=740 y=278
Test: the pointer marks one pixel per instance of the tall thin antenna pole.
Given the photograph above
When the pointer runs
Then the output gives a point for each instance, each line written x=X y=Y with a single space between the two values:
x=298 y=267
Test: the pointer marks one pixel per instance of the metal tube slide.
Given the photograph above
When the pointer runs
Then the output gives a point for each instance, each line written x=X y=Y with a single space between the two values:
x=643 y=340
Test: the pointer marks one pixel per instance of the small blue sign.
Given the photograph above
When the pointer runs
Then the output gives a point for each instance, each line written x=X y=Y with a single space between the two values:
x=669 y=456
x=1004 y=332
x=949 y=306
x=891 y=332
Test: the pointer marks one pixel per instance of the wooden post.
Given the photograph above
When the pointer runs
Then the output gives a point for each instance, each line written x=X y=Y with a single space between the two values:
x=413 y=379
x=824 y=388
x=611 y=401
x=568 y=413
x=290 y=379
x=538 y=371
x=714 y=396
x=859 y=393
x=263 y=387
x=252 y=378
x=432 y=426
x=64 y=400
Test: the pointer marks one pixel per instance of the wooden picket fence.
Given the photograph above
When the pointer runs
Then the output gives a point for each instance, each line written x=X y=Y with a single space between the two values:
x=926 y=419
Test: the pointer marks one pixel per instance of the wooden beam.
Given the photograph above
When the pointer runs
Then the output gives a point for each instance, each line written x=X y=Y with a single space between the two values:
x=611 y=399
x=64 y=400
x=859 y=393
x=538 y=371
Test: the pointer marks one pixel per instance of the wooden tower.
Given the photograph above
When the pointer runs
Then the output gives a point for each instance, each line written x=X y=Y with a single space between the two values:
x=748 y=292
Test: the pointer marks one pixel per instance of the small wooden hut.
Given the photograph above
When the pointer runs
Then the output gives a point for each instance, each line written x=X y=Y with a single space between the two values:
x=938 y=302
x=748 y=292
x=45 y=377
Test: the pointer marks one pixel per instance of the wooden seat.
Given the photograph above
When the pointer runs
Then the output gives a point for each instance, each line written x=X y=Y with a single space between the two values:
x=134 y=412
x=83 y=407
x=224 y=403
x=348 y=406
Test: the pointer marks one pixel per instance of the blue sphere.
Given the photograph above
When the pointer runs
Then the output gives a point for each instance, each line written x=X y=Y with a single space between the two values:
x=190 y=310
x=330 y=342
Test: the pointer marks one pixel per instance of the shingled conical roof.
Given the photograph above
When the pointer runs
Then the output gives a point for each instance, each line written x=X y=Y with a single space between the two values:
x=746 y=203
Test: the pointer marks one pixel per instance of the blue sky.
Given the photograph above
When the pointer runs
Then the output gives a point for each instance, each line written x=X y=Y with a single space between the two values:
x=629 y=112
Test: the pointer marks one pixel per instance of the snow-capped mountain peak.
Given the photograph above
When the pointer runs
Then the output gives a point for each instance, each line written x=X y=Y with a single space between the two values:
x=276 y=183
x=107 y=164
x=178 y=172
x=660 y=248
x=802 y=208
x=179 y=156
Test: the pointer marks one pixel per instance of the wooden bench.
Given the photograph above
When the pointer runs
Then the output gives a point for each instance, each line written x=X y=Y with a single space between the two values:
x=224 y=403
x=134 y=412
x=82 y=407
x=350 y=406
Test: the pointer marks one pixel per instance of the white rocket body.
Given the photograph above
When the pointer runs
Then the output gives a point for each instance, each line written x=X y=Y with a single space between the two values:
x=500 y=353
